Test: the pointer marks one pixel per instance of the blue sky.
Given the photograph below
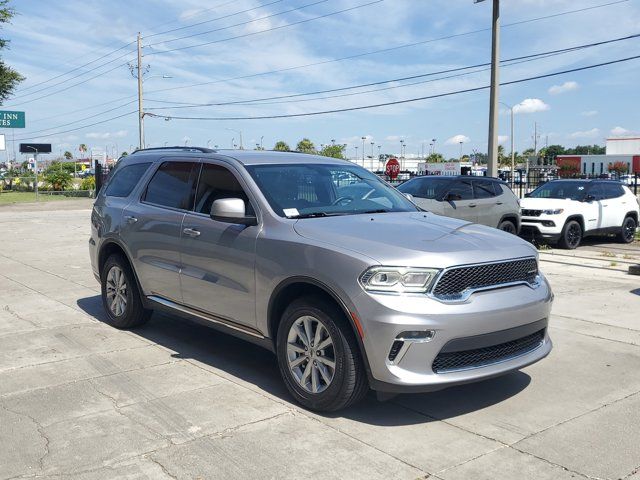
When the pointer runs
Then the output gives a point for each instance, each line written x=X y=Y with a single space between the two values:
x=50 y=38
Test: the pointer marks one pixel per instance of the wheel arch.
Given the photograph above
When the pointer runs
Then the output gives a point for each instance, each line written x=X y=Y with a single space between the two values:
x=577 y=218
x=110 y=247
x=296 y=287
x=633 y=214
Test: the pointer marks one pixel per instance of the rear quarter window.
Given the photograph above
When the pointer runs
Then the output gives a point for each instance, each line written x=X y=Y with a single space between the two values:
x=125 y=180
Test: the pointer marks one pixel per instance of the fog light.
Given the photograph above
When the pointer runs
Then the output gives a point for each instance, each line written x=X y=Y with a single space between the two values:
x=548 y=223
x=416 y=335
x=395 y=348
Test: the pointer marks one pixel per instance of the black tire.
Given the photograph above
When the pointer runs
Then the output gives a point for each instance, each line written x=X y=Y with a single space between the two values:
x=133 y=314
x=628 y=230
x=508 y=226
x=571 y=235
x=349 y=383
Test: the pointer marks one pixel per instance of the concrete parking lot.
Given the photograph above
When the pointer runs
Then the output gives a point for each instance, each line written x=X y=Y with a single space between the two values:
x=81 y=400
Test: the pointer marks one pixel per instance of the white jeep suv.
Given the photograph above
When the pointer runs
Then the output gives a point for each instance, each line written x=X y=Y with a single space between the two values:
x=565 y=211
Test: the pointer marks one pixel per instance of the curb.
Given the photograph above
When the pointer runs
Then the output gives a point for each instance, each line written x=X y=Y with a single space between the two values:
x=634 y=269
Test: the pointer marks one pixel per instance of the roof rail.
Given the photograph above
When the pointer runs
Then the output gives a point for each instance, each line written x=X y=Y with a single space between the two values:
x=182 y=148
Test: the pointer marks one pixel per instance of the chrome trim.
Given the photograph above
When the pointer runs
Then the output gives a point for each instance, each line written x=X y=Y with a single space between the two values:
x=205 y=316
x=465 y=294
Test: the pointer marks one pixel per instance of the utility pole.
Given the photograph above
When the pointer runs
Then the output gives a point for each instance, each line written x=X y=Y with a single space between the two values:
x=140 y=106
x=492 y=161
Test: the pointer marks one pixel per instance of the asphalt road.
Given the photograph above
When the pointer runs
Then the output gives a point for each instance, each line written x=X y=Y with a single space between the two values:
x=81 y=400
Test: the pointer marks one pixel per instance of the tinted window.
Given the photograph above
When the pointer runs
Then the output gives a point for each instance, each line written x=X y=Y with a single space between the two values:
x=299 y=190
x=125 y=179
x=483 y=189
x=596 y=191
x=461 y=190
x=430 y=188
x=570 y=189
x=612 y=190
x=172 y=185
x=216 y=182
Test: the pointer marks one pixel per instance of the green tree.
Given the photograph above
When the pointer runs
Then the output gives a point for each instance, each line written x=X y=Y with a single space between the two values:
x=335 y=151
x=281 y=146
x=435 y=157
x=68 y=155
x=586 y=150
x=305 y=146
x=83 y=148
x=9 y=78
x=552 y=151
x=124 y=154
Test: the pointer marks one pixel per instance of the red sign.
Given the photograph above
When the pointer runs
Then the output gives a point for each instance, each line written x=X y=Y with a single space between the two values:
x=392 y=169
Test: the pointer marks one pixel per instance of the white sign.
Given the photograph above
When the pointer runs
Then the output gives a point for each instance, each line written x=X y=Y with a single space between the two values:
x=3 y=145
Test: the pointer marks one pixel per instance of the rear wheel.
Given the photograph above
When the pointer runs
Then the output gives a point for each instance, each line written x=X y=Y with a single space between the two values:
x=120 y=294
x=628 y=230
x=508 y=226
x=318 y=356
x=571 y=235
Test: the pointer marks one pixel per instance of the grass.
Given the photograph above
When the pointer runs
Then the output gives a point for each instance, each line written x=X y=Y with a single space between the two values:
x=607 y=254
x=9 y=198
x=613 y=264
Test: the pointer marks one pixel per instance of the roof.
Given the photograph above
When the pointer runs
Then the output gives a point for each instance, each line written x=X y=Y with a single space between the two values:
x=246 y=157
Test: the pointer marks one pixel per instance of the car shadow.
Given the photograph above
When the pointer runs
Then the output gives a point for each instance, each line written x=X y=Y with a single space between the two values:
x=635 y=292
x=253 y=364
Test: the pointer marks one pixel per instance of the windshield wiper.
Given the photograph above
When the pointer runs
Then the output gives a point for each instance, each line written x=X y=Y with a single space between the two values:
x=379 y=210
x=317 y=214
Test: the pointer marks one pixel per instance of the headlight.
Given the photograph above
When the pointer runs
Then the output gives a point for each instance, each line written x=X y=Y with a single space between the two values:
x=398 y=279
x=557 y=211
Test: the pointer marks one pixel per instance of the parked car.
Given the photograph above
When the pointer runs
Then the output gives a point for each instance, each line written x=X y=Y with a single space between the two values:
x=484 y=200
x=566 y=211
x=351 y=289
x=629 y=180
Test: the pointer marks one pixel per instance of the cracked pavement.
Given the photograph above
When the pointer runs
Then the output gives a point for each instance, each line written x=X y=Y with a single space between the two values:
x=175 y=400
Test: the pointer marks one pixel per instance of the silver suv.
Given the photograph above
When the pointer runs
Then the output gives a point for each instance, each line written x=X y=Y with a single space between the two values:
x=320 y=261
x=484 y=200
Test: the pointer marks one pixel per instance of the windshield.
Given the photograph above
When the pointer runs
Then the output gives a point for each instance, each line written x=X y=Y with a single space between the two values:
x=310 y=190
x=561 y=189
x=432 y=188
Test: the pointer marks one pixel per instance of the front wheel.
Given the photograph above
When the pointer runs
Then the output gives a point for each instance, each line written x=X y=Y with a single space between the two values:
x=571 y=235
x=318 y=356
x=508 y=226
x=628 y=230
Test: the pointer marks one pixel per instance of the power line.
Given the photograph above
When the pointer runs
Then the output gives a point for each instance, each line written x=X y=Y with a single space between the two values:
x=412 y=77
x=250 y=34
x=74 y=69
x=17 y=97
x=70 y=86
x=195 y=14
x=210 y=21
x=384 y=50
x=398 y=102
x=90 y=107
x=78 y=128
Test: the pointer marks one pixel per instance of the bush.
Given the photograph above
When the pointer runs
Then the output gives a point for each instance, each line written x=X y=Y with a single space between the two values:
x=88 y=183
x=58 y=179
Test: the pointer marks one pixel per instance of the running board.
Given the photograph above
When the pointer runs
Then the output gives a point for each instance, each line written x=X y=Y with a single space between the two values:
x=205 y=316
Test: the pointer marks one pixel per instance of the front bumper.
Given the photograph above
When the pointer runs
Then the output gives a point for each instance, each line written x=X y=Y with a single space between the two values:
x=545 y=227
x=487 y=319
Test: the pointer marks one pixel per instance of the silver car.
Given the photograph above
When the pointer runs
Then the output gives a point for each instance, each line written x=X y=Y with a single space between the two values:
x=317 y=259
x=485 y=200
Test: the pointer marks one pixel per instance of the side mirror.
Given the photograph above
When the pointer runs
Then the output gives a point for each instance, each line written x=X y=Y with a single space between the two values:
x=588 y=198
x=451 y=197
x=528 y=194
x=231 y=210
x=408 y=196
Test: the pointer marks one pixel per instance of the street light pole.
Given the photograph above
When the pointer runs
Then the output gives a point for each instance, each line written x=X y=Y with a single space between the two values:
x=513 y=163
x=492 y=165
x=140 y=96
x=35 y=170
x=363 y=139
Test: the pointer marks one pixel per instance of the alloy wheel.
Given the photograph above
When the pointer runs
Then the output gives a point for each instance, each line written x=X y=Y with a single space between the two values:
x=629 y=229
x=574 y=235
x=311 y=354
x=116 y=291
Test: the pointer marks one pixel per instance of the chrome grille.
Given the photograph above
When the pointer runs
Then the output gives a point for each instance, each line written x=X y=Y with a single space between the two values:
x=531 y=213
x=481 y=357
x=455 y=282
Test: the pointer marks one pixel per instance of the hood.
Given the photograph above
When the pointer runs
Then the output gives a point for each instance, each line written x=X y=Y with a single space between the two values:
x=417 y=239
x=545 y=203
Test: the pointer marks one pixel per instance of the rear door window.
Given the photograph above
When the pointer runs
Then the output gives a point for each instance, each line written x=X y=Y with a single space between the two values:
x=172 y=185
x=461 y=190
x=125 y=179
x=483 y=189
x=612 y=190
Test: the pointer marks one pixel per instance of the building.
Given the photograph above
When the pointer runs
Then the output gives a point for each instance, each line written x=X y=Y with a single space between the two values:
x=625 y=150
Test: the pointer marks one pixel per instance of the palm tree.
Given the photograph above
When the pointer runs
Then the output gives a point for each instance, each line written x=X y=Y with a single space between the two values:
x=306 y=146
x=281 y=147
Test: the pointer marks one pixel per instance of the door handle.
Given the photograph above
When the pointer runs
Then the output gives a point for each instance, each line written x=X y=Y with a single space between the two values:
x=498 y=203
x=191 y=232
x=472 y=205
x=130 y=219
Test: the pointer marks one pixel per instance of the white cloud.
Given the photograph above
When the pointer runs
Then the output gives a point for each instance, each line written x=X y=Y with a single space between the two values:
x=503 y=138
x=589 y=113
x=107 y=135
x=395 y=138
x=593 y=133
x=620 y=132
x=456 y=139
x=531 y=105
x=565 y=87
